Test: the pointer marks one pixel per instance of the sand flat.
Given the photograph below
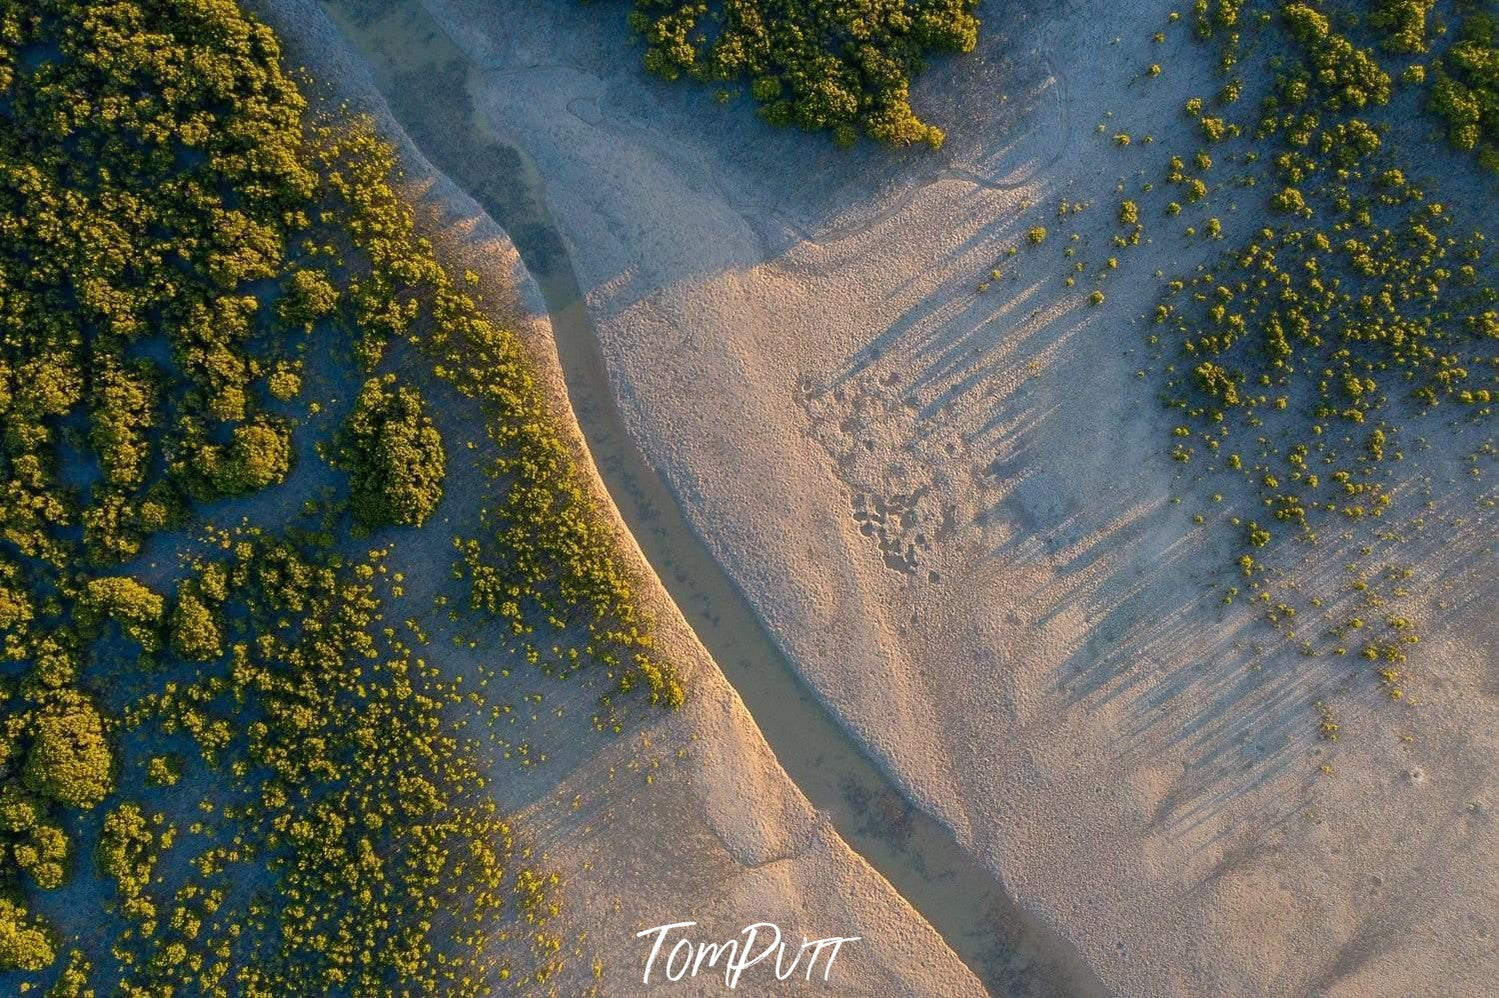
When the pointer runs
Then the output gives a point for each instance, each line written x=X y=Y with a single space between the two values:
x=685 y=815
x=952 y=512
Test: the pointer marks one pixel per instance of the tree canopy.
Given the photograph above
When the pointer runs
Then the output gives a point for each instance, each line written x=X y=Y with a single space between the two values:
x=835 y=65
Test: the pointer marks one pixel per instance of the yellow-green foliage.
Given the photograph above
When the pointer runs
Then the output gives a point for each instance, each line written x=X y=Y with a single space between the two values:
x=396 y=455
x=158 y=172
x=38 y=847
x=195 y=628
x=1216 y=19
x=125 y=217
x=1300 y=358
x=126 y=850
x=25 y=943
x=549 y=557
x=69 y=759
x=842 y=65
x=1403 y=24
x=1346 y=76
x=163 y=771
x=125 y=601
x=371 y=815
x=309 y=296
x=73 y=982
x=1466 y=91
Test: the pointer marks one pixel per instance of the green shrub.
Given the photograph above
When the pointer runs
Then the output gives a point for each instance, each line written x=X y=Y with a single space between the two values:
x=70 y=759
x=309 y=296
x=195 y=630
x=396 y=455
x=1349 y=76
x=259 y=456
x=1403 y=24
x=822 y=64
x=1466 y=91
x=163 y=771
x=126 y=851
x=128 y=603
x=24 y=943
x=159 y=174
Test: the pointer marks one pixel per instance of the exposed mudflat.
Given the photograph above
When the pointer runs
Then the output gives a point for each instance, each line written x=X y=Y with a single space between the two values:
x=952 y=514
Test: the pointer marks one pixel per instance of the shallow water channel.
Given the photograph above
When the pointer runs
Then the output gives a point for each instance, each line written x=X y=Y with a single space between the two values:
x=1008 y=951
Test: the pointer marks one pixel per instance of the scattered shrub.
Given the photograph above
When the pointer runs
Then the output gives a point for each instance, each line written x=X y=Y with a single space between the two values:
x=1466 y=91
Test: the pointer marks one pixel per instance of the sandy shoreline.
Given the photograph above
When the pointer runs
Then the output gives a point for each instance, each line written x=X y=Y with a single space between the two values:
x=746 y=845
x=919 y=488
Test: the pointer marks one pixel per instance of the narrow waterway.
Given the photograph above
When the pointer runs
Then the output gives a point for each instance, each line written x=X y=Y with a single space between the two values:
x=413 y=61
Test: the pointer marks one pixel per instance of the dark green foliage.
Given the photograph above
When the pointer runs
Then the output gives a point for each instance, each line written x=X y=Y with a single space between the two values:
x=396 y=455
x=1403 y=24
x=125 y=219
x=1466 y=91
x=156 y=166
x=310 y=296
x=842 y=65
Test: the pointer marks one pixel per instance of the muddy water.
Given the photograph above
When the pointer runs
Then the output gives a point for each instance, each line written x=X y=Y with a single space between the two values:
x=425 y=79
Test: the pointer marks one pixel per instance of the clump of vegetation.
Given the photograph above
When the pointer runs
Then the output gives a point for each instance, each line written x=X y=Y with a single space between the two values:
x=396 y=455
x=156 y=168
x=39 y=847
x=548 y=557
x=819 y=65
x=185 y=219
x=1300 y=360
x=127 y=854
x=25 y=943
x=370 y=819
x=197 y=635
x=1466 y=88
x=1402 y=23
x=121 y=599
x=310 y=296
x=1345 y=76
x=69 y=759
x=163 y=771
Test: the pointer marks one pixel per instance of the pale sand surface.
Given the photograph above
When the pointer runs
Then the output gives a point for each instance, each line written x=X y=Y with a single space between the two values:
x=953 y=513
x=685 y=816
